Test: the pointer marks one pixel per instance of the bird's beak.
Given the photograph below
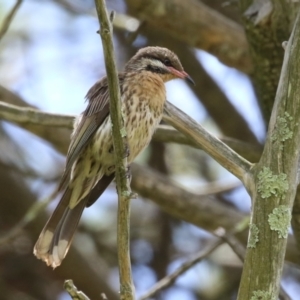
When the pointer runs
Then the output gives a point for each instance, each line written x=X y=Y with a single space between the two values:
x=181 y=74
x=188 y=78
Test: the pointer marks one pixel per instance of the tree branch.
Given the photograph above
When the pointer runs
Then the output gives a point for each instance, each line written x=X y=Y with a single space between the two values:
x=87 y=277
x=168 y=134
x=228 y=238
x=275 y=183
x=120 y=147
x=73 y=292
x=203 y=28
x=27 y=116
x=206 y=89
x=213 y=146
x=267 y=24
x=225 y=156
x=7 y=21
x=59 y=138
x=168 y=280
x=201 y=211
x=240 y=250
x=144 y=182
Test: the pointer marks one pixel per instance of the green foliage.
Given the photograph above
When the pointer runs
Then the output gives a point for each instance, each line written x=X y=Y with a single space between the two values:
x=280 y=219
x=253 y=236
x=269 y=184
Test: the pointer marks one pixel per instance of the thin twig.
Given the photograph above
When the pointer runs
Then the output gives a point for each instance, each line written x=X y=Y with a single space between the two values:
x=222 y=235
x=232 y=241
x=103 y=296
x=225 y=156
x=7 y=21
x=73 y=292
x=212 y=188
x=120 y=146
x=168 y=280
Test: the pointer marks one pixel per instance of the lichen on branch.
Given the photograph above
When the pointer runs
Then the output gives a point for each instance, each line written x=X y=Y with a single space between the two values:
x=280 y=219
x=253 y=236
x=270 y=184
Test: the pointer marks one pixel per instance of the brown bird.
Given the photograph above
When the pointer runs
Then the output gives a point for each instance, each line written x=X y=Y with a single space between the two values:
x=90 y=159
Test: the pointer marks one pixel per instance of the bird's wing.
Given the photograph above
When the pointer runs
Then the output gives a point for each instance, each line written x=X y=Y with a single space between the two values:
x=90 y=120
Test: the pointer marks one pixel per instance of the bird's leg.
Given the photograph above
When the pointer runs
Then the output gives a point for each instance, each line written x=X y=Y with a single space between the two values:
x=128 y=174
x=129 y=177
x=126 y=150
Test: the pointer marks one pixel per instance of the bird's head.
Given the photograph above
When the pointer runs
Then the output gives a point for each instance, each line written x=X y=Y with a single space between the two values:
x=160 y=61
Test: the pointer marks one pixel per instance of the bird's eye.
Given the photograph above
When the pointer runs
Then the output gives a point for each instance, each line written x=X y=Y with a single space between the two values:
x=152 y=68
x=167 y=62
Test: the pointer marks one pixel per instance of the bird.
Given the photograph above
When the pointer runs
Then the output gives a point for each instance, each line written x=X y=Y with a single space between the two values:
x=89 y=165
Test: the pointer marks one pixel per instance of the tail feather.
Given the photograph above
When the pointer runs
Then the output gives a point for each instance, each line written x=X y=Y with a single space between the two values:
x=57 y=235
x=99 y=188
x=55 y=239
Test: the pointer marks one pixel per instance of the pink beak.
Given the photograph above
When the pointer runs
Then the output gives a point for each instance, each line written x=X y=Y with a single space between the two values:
x=182 y=74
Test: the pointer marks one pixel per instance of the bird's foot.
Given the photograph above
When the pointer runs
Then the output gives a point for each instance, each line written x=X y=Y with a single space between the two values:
x=128 y=174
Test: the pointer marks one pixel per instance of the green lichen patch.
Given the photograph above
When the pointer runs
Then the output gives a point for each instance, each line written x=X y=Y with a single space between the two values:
x=253 y=236
x=123 y=132
x=280 y=219
x=283 y=130
x=269 y=184
x=126 y=194
x=262 y=295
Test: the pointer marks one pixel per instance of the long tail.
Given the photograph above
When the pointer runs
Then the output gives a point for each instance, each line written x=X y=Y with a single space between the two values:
x=57 y=235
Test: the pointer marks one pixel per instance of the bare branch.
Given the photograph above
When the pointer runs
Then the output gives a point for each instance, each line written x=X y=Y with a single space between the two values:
x=7 y=21
x=145 y=183
x=59 y=137
x=203 y=28
x=225 y=156
x=275 y=181
x=17 y=198
x=236 y=246
x=168 y=134
x=180 y=203
x=73 y=292
x=240 y=250
x=168 y=280
x=206 y=89
x=267 y=24
x=27 y=115
x=212 y=97
x=120 y=146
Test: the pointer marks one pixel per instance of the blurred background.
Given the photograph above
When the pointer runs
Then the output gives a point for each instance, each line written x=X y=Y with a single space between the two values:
x=49 y=58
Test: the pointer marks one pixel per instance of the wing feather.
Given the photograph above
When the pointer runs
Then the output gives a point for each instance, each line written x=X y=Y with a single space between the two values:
x=90 y=120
